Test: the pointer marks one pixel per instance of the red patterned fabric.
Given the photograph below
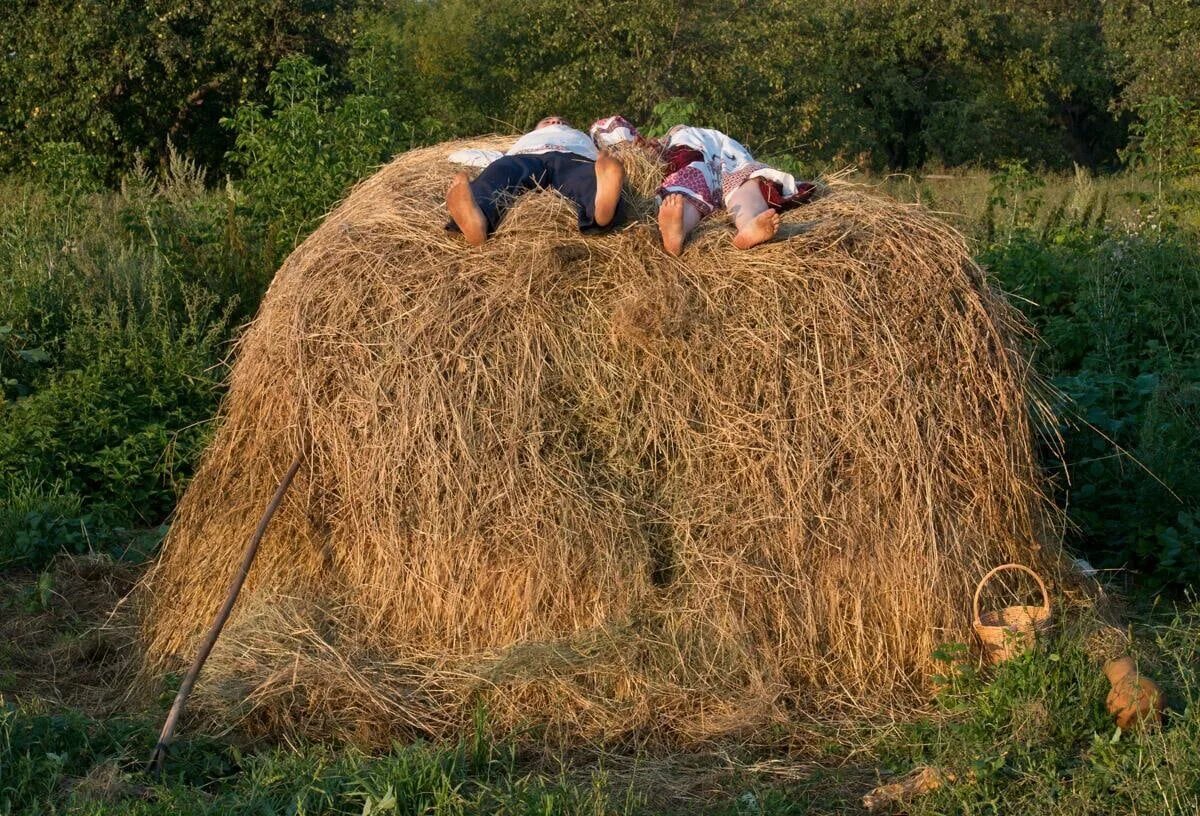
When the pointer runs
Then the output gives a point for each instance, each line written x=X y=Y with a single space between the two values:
x=734 y=180
x=680 y=157
x=613 y=130
x=772 y=193
x=689 y=181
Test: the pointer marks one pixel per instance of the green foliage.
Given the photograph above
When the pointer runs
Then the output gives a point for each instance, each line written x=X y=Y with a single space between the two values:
x=1032 y=735
x=896 y=83
x=66 y=169
x=1152 y=49
x=122 y=405
x=302 y=155
x=59 y=763
x=114 y=314
x=1166 y=142
x=38 y=520
x=1014 y=197
x=900 y=82
x=1119 y=314
x=123 y=77
x=669 y=113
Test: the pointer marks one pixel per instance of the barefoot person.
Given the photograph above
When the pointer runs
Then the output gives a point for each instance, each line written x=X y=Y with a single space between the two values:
x=707 y=170
x=553 y=156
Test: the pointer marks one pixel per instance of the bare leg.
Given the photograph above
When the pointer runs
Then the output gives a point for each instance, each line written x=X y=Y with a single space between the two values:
x=465 y=211
x=755 y=221
x=677 y=217
x=609 y=175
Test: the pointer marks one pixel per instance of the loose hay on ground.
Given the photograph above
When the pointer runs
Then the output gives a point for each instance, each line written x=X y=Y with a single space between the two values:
x=598 y=489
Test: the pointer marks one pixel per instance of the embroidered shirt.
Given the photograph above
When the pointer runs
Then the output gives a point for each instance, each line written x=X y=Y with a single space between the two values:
x=555 y=138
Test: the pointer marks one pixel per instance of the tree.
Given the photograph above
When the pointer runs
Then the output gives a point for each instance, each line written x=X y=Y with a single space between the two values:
x=122 y=77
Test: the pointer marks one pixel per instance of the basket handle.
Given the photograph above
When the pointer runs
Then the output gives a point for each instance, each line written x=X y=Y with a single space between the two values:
x=1041 y=585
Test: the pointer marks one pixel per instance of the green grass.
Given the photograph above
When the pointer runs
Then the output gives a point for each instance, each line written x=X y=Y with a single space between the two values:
x=65 y=763
x=117 y=309
x=1028 y=737
x=1033 y=736
x=1128 y=201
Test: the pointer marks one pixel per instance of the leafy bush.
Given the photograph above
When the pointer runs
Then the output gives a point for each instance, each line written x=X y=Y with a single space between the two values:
x=1119 y=313
x=303 y=153
x=66 y=169
x=124 y=403
x=114 y=315
x=124 y=76
x=1165 y=142
x=907 y=83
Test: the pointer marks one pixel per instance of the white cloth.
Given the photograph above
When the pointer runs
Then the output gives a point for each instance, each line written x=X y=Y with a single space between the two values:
x=555 y=138
x=474 y=157
x=613 y=130
x=785 y=181
x=723 y=154
x=723 y=159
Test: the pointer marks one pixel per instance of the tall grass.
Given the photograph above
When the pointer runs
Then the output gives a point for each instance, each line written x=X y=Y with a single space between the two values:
x=115 y=313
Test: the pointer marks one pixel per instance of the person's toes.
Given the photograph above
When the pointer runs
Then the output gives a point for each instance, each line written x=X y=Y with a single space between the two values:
x=762 y=228
x=465 y=212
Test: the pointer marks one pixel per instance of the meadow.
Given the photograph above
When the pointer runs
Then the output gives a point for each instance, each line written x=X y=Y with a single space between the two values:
x=138 y=236
x=120 y=308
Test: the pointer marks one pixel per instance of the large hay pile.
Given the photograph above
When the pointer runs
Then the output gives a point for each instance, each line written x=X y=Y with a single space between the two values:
x=592 y=487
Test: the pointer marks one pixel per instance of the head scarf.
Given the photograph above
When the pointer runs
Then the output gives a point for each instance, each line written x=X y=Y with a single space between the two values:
x=613 y=131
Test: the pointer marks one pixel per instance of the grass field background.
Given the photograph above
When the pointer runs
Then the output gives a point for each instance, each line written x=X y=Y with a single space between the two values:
x=159 y=160
x=118 y=312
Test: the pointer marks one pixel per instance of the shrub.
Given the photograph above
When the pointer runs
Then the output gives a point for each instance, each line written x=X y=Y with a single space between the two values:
x=304 y=152
x=1120 y=316
x=124 y=76
x=123 y=407
x=114 y=315
x=1165 y=142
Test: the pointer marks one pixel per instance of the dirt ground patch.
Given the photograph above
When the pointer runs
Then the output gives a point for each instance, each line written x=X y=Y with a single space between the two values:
x=64 y=638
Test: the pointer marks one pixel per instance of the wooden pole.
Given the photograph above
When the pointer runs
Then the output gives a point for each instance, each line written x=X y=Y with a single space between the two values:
x=214 y=631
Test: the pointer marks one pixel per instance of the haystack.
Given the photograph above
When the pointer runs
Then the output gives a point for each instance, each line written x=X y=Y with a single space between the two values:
x=597 y=490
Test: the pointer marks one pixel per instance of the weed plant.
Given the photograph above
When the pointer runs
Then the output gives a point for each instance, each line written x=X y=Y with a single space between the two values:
x=1032 y=735
x=66 y=763
x=114 y=319
x=1117 y=308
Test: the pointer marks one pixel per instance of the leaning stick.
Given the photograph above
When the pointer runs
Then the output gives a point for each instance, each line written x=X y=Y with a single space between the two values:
x=235 y=586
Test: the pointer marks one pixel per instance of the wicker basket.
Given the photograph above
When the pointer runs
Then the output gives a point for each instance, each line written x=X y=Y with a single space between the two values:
x=1009 y=631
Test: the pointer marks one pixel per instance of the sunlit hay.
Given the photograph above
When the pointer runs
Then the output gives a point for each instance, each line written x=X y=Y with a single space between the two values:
x=643 y=175
x=587 y=486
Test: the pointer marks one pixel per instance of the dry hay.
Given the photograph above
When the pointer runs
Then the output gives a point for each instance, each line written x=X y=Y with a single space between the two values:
x=598 y=490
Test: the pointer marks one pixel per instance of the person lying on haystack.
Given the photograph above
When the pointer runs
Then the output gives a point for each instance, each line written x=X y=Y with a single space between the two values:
x=708 y=171
x=553 y=156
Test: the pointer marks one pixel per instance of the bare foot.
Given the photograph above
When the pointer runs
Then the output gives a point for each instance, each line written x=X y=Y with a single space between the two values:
x=609 y=175
x=762 y=228
x=670 y=223
x=465 y=211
